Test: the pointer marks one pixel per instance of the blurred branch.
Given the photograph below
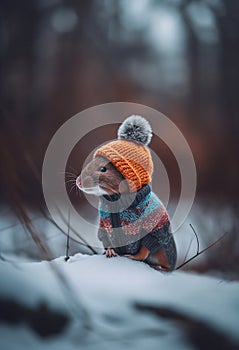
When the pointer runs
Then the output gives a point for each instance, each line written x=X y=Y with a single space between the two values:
x=11 y=179
x=41 y=319
x=200 y=333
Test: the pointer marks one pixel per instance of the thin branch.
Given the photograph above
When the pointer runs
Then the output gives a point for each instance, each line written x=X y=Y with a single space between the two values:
x=202 y=251
x=65 y=233
x=76 y=233
x=68 y=238
x=187 y=252
x=196 y=235
x=190 y=244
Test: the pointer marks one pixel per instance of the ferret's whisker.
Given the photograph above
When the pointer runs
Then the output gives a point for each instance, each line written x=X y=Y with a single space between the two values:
x=74 y=185
x=70 y=180
x=69 y=173
x=70 y=177
x=71 y=167
x=66 y=172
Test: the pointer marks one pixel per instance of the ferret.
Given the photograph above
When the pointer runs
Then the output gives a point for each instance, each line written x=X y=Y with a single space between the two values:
x=133 y=222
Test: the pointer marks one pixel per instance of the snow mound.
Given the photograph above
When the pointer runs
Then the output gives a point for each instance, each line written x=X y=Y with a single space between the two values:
x=114 y=302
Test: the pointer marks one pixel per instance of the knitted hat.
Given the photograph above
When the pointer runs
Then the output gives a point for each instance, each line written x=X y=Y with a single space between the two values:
x=129 y=153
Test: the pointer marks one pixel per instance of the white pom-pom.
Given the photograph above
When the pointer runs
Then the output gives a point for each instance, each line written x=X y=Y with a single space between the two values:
x=137 y=129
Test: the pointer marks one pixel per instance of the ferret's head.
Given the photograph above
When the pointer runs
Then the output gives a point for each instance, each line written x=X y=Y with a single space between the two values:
x=101 y=177
x=121 y=165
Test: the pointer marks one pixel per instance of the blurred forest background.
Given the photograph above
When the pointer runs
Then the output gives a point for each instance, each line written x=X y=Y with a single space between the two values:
x=59 y=57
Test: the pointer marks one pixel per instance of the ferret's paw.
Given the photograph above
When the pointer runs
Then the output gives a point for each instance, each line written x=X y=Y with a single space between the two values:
x=160 y=268
x=109 y=252
x=133 y=257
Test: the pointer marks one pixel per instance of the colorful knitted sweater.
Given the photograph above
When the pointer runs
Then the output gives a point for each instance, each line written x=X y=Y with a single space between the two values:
x=129 y=221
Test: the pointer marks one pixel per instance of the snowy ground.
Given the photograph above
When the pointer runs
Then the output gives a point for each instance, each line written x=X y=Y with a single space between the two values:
x=99 y=303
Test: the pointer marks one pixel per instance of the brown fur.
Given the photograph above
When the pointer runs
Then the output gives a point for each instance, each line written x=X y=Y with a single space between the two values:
x=111 y=181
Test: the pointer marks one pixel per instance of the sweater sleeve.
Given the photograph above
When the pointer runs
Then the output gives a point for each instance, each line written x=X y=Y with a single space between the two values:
x=104 y=237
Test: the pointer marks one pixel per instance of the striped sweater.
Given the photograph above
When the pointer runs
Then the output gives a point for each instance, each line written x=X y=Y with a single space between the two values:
x=130 y=221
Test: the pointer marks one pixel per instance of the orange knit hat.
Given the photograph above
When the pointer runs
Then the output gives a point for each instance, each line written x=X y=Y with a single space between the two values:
x=130 y=154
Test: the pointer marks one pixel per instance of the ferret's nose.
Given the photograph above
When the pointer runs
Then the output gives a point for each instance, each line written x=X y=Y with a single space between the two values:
x=78 y=182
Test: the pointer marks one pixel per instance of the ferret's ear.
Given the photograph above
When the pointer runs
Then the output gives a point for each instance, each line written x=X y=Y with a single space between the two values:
x=136 y=129
x=123 y=186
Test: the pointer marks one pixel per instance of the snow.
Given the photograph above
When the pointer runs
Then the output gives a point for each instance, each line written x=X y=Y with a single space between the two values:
x=99 y=294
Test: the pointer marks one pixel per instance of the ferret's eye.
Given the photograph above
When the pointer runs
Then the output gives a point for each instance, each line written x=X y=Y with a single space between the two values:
x=102 y=169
